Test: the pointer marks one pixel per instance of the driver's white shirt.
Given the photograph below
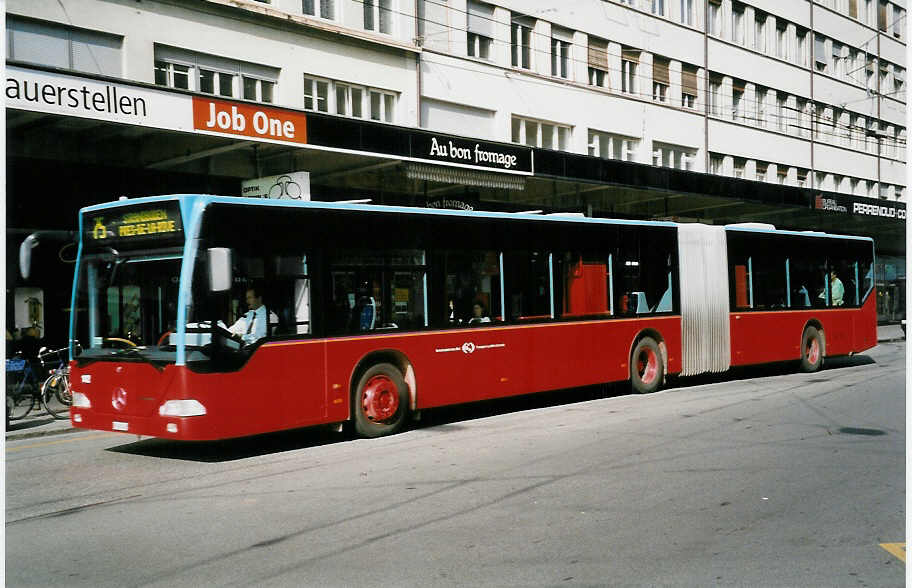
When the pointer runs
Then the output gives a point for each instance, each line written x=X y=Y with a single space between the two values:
x=252 y=326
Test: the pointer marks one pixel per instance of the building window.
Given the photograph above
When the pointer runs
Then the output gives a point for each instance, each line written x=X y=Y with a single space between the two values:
x=521 y=41
x=173 y=75
x=715 y=96
x=853 y=8
x=207 y=74
x=687 y=12
x=658 y=7
x=258 y=90
x=716 y=164
x=322 y=8
x=837 y=68
x=560 y=52
x=899 y=79
x=598 y=62
x=349 y=100
x=859 y=138
x=782 y=40
x=781 y=175
x=673 y=156
x=803 y=118
x=609 y=146
x=761 y=171
x=820 y=120
x=782 y=113
x=382 y=105
x=660 y=78
x=760 y=32
x=801 y=178
x=869 y=72
x=630 y=59
x=820 y=56
x=738 y=23
x=737 y=100
x=801 y=44
x=898 y=23
x=67 y=48
x=853 y=186
x=478 y=46
x=378 y=16
x=540 y=134
x=882 y=16
x=761 y=97
x=480 y=30
x=316 y=95
x=738 y=170
x=715 y=18
x=688 y=86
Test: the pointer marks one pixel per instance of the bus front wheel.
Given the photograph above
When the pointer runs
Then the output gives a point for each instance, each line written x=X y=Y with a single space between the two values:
x=647 y=370
x=811 y=350
x=381 y=401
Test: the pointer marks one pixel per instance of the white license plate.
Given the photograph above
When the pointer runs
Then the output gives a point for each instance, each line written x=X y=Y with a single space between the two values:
x=119 y=426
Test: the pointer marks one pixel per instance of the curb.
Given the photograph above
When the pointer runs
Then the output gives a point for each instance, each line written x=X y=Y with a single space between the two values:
x=14 y=436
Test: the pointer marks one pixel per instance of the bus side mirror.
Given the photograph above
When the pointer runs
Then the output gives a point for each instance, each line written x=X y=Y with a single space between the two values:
x=25 y=255
x=219 y=269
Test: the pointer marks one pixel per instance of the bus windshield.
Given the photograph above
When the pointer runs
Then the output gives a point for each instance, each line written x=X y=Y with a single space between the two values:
x=127 y=304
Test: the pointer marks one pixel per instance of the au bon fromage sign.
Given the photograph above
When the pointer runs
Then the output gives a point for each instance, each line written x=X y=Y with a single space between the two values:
x=453 y=150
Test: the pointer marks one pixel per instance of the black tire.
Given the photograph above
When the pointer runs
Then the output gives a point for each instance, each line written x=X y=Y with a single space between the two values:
x=647 y=370
x=50 y=397
x=20 y=402
x=811 y=350
x=380 y=402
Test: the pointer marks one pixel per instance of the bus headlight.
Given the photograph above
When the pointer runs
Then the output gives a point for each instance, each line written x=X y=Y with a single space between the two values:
x=181 y=408
x=80 y=400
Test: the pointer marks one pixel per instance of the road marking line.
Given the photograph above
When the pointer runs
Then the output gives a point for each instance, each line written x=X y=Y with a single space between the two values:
x=46 y=443
x=898 y=550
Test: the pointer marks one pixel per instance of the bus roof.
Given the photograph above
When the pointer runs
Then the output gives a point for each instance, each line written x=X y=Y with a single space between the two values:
x=189 y=200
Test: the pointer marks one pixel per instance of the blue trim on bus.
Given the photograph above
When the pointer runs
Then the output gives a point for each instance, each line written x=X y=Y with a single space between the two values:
x=71 y=344
x=188 y=202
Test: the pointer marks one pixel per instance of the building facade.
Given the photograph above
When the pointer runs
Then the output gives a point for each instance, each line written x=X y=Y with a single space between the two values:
x=790 y=113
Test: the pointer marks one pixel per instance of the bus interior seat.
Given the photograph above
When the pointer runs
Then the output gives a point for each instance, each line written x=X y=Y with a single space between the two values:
x=664 y=304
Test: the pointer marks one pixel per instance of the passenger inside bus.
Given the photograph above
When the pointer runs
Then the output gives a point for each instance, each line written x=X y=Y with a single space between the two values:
x=479 y=315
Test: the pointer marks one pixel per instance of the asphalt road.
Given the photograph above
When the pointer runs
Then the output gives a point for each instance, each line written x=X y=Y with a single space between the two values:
x=759 y=478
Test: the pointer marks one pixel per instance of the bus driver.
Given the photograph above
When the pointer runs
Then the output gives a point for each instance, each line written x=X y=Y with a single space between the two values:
x=251 y=327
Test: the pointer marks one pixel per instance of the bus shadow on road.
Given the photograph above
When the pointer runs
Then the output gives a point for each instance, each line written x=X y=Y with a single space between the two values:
x=448 y=418
x=770 y=370
x=232 y=449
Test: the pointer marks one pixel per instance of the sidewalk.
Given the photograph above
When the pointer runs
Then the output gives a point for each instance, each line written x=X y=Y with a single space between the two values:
x=40 y=424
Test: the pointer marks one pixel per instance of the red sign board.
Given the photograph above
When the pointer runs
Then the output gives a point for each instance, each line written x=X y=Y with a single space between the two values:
x=249 y=120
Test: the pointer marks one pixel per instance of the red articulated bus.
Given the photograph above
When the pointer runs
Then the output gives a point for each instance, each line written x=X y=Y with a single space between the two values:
x=205 y=317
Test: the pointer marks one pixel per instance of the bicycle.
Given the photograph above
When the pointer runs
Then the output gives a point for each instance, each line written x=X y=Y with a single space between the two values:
x=22 y=391
x=55 y=391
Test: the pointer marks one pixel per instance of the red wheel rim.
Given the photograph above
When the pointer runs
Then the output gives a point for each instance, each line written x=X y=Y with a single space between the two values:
x=647 y=365
x=813 y=351
x=380 y=398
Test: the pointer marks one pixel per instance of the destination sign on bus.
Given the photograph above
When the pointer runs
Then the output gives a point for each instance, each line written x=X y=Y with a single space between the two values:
x=159 y=221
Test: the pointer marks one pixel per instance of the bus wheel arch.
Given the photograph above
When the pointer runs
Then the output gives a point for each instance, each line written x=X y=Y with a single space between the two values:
x=648 y=362
x=812 y=346
x=382 y=393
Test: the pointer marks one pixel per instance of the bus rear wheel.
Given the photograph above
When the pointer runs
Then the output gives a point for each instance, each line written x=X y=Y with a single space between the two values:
x=811 y=350
x=647 y=370
x=381 y=401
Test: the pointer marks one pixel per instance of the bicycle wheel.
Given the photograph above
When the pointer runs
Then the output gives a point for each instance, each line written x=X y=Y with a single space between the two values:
x=62 y=391
x=49 y=400
x=19 y=402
